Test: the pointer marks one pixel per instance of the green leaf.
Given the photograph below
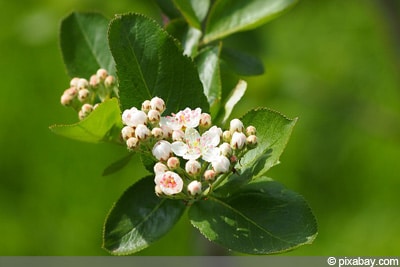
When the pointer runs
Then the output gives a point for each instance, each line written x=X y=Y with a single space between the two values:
x=241 y=63
x=185 y=7
x=168 y=8
x=84 y=45
x=273 y=133
x=200 y=8
x=139 y=218
x=102 y=125
x=262 y=218
x=149 y=63
x=229 y=16
x=118 y=165
x=209 y=72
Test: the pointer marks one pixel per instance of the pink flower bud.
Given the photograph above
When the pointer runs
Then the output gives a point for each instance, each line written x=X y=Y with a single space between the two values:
x=194 y=188
x=102 y=74
x=153 y=116
x=238 y=140
x=221 y=164
x=94 y=81
x=205 y=120
x=142 y=132
x=132 y=143
x=66 y=99
x=162 y=150
x=158 y=104
x=192 y=167
x=109 y=81
x=87 y=109
x=173 y=163
x=236 y=125
x=71 y=91
x=209 y=175
x=127 y=132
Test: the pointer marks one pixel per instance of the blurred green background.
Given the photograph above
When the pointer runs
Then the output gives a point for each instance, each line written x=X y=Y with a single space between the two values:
x=334 y=64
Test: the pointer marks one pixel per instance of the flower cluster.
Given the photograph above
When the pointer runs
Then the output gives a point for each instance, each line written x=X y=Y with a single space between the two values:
x=84 y=95
x=192 y=154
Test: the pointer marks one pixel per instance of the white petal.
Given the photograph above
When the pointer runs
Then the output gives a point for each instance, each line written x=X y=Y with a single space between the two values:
x=211 y=154
x=179 y=148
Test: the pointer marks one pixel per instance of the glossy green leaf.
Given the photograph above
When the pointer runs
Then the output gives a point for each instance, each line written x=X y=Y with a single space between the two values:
x=102 y=125
x=150 y=63
x=273 y=133
x=200 y=8
x=229 y=16
x=185 y=7
x=139 y=218
x=241 y=63
x=209 y=72
x=84 y=44
x=263 y=217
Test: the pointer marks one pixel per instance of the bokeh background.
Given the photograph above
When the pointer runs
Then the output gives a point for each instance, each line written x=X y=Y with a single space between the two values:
x=334 y=64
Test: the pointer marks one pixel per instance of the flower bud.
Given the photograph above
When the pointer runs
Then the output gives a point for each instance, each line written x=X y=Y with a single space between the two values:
x=162 y=150
x=74 y=82
x=66 y=99
x=236 y=125
x=221 y=164
x=192 y=167
x=173 y=163
x=250 y=130
x=160 y=168
x=132 y=143
x=146 y=106
x=82 y=84
x=94 y=81
x=153 y=116
x=133 y=117
x=83 y=95
x=157 y=133
x=194 y=188
x=226 y=136
x=251 y=141
x=142 y=132
x=72 y=91
x=238 y=140
x=109 y=81
x=86 y=109
x=157 y=190
x=158 y=104
x=225 y=149
x=205 y=120
x=178 y=135
x=101 y=74
x=127 y=132
x=209 y=175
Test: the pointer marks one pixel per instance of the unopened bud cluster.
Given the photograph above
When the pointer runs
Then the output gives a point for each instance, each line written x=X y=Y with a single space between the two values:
x=191 y=153
x=84 y=95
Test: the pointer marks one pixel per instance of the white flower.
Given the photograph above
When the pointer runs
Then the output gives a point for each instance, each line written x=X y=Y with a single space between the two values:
x=194 y=188
x=238 y=140
x=162 y=150
x=169 y=182
x=195 y=146
x=186 y=118
x=221 y=164
x=133 y=117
